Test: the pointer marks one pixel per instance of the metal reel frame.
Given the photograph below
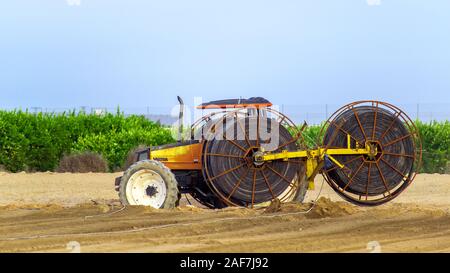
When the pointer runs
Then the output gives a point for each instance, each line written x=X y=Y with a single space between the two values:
x=367 y=200
x=290 y=192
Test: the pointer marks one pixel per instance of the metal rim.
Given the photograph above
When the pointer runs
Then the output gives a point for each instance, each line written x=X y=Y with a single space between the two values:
x=146 y=188
x=369 y=164
x=199 y=123
x=297 y=139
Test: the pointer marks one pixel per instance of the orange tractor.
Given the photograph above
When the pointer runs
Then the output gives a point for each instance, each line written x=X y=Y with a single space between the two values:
x=248 y=154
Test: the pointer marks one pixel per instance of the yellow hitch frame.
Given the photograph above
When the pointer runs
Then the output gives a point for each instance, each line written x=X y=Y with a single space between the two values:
x=315 y=158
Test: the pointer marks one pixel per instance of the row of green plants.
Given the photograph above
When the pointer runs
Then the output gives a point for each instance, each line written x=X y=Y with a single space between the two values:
x=37 y=142
x=435 y=138
x=435 y=146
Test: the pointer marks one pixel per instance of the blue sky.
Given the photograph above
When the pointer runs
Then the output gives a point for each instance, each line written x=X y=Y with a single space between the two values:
x=139 y=53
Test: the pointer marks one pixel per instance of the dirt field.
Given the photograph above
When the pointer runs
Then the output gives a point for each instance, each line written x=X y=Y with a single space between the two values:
x=44 y=212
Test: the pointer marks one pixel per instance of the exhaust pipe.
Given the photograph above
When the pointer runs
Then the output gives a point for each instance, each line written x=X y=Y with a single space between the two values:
x=180 y=119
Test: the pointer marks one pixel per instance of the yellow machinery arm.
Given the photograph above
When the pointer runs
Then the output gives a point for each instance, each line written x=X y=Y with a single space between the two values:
x=315 y=158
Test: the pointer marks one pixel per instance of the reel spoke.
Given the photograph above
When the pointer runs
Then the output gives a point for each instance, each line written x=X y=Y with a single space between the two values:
x=384 y=179
x=345 y=132
x=397 y=140
x=268 y=184
x=359 y=123
x=280 y=175
x=353 y=176
x=254 y=187
x=395 y=154
x=368 y=180
x=223 y=155
x=234 y=143
x=390 y=126
x=238 y=183
x=394 y=168
x=257 y=130
x=227 y=171
x=243 y=130
x=375 y=122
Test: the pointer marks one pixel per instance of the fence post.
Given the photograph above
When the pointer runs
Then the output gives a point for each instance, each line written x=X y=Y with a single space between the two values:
x=417 y=114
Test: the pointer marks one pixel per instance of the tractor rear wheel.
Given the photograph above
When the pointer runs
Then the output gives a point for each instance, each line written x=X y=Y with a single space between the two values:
x=149 y=183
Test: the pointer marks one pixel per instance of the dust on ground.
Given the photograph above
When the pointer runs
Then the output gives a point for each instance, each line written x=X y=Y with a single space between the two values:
x=43 y=212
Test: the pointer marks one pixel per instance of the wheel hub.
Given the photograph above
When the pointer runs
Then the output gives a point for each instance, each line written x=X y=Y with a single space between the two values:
x=257 y=158
x=375 y=151
x=146 y=188
x=151 y=191
x=252 y=155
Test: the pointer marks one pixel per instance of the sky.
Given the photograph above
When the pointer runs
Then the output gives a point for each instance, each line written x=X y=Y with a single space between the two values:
x=138 y=53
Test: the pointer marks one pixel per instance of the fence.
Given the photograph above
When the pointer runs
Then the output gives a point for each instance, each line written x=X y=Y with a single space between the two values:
x=313 y=114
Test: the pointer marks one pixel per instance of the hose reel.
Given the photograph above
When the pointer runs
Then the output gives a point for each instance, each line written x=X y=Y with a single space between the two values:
x=369 y=153
x=393 y=160
x=229 y=166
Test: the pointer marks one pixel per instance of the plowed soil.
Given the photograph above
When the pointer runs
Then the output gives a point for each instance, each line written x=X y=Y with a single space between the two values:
x=48 y=212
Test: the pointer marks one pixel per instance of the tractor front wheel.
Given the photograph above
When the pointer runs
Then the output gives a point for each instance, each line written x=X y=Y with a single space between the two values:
x=149 y=183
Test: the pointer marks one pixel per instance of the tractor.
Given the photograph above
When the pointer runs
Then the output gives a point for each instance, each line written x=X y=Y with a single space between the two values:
x=247 y=154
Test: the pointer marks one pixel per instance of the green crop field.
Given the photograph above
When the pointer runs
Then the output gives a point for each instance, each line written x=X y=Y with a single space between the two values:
x=36 y=142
